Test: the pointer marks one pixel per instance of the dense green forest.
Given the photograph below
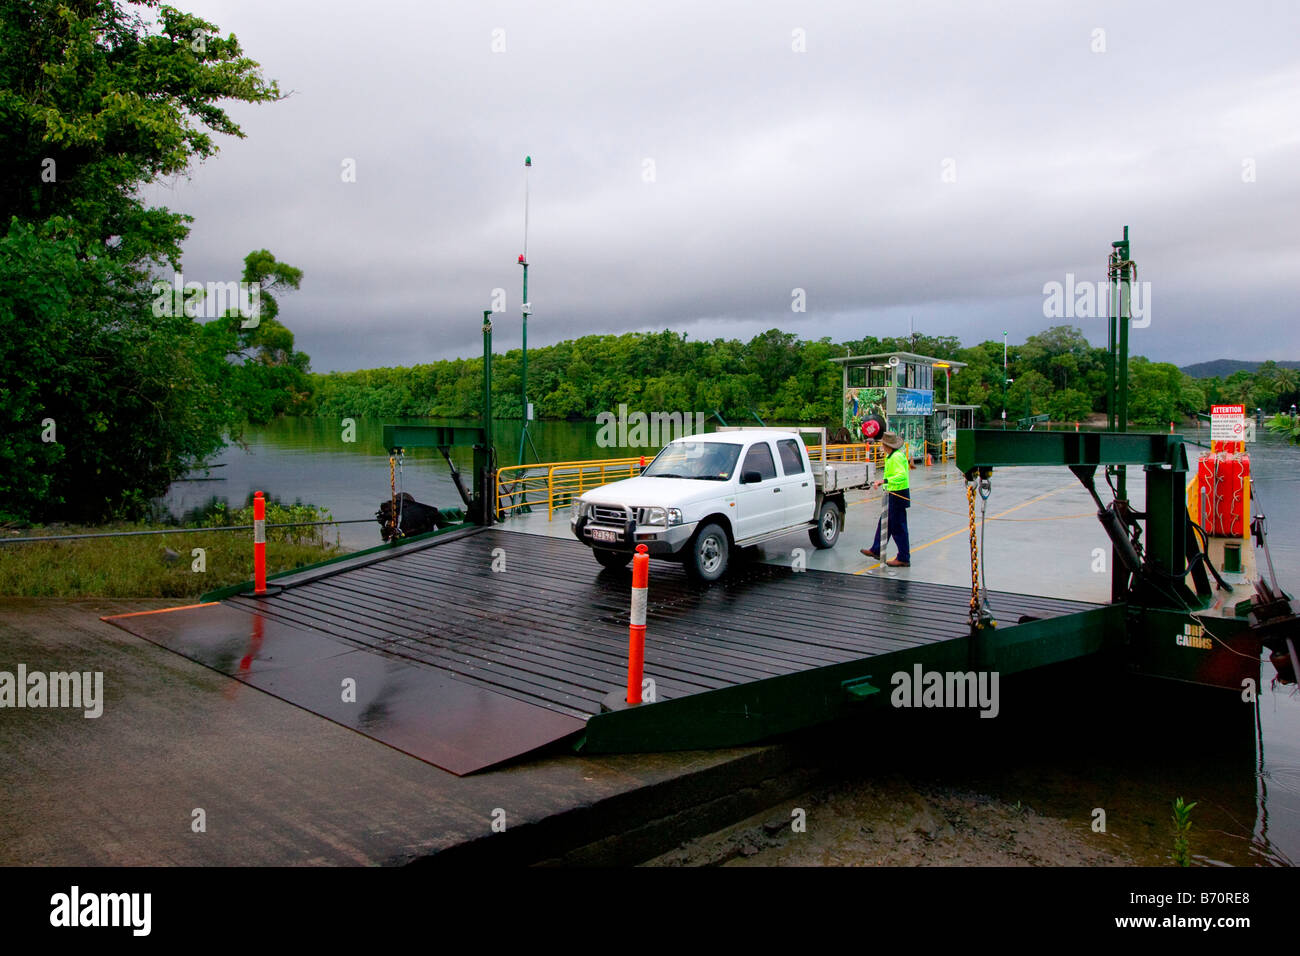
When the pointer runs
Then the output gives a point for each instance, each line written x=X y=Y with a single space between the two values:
x=784 y=378
x=113 y=382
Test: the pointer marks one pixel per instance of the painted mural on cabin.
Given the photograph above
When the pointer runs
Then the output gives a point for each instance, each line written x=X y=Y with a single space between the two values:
x=859 y=403
x=912 y=428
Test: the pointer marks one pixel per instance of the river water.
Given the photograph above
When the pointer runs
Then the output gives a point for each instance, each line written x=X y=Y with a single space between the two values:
x=1249 y=790
x=308 y=460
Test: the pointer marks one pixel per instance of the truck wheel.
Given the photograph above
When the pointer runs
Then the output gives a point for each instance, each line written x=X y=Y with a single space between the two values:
x=826 y=531
x=706 y=559
x=612 y=559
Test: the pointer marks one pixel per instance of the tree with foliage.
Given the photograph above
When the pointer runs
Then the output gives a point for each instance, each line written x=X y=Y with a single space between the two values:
x=980 y=382
x=101 y=407
x=95 y=103
x=1057 y=354
x=1069 y=405
x=265 y=376
x=1288 y=425
x=778 y=375
x=1156 y=392
x=1030 y=391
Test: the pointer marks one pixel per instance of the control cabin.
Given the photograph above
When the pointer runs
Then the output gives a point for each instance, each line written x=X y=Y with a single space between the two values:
x=901 y=387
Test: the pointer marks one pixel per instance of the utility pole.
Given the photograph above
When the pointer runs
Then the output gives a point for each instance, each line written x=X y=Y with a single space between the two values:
x=524 y=438
x=487 y=374
x=1004 y=378
x=485 y=466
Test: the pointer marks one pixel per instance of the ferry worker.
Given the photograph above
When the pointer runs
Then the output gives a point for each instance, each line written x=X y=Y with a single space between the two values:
x=898 y=492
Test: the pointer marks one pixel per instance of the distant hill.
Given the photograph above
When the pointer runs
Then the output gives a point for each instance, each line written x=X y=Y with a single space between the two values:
x=1222 y=368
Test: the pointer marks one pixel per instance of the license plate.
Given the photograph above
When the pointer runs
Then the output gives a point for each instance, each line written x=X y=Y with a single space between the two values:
x=600 y=534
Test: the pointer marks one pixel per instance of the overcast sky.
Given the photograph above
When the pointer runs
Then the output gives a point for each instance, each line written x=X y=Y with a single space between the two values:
x=934 y=162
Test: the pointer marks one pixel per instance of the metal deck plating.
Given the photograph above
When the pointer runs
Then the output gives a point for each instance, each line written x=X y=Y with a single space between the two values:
x=464 y=666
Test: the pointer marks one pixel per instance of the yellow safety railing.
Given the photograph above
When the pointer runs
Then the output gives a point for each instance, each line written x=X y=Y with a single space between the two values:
x=554 y=484
x=941 y=451
x=855 y=452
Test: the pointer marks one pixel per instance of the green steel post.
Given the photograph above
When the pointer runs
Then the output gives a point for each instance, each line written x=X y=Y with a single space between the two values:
x=1004 y=379
x=487 y=374
x=1165 y=545
x=484 y=479
x=524 y=310
x=1117 y=408
x=523 y=434
x=1122 y=308
x=1110 y=370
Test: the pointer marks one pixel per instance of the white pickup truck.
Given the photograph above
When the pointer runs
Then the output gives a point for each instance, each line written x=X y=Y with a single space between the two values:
x=705 y=495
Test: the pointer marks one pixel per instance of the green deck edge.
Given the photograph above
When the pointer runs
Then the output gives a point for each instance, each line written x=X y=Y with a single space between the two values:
x=748 y=713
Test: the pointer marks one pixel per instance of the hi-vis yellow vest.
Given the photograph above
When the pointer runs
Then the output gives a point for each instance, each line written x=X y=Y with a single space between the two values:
x=896 y=471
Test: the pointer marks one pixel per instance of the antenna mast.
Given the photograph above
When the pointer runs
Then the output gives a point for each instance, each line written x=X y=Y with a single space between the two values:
x=525 y=440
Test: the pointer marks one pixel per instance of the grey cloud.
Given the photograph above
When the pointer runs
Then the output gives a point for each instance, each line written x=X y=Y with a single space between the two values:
x=774 y=169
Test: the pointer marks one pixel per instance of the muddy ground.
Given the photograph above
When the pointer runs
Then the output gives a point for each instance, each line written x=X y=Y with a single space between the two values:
x=892 y=822
x=905 y=789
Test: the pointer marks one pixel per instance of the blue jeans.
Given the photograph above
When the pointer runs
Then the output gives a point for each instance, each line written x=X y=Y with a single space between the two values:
x=899 y=502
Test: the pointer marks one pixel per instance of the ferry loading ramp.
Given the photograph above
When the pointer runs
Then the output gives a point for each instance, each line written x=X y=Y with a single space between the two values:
x=465 y=667
x=475 y=646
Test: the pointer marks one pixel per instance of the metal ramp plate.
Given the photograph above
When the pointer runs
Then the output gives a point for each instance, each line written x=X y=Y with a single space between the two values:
x=417 y=710
x=487 y=645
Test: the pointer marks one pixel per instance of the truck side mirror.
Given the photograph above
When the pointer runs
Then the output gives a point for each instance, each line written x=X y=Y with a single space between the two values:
x=751 y=477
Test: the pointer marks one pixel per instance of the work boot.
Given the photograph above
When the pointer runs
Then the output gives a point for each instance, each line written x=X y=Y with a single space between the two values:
x=871 y=554
x=895 y=563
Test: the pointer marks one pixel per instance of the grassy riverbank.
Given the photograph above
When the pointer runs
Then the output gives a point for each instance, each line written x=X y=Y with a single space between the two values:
x=157 y=565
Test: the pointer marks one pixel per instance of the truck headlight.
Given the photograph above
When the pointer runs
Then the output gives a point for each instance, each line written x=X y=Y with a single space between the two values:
x=577 y=508
x=674 y=516
x=656 y=516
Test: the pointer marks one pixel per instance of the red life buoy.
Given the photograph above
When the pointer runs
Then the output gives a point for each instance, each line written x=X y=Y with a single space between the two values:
x=873 y=426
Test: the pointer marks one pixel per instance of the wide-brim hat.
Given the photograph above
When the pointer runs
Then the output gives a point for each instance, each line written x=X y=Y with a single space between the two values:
x=891 y=440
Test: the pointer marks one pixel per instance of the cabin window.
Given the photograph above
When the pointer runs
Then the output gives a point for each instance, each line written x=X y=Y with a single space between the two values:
x=759 y=459
x=880 y=376
x=791 y=460
x=857 y=376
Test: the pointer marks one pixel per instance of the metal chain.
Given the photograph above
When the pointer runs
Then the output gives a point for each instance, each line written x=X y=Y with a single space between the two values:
x=974 y=558
x=392 y=482
x=986 y=612
x=401 y=501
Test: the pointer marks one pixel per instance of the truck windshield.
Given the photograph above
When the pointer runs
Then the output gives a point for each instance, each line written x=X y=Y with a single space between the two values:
x=705 y=460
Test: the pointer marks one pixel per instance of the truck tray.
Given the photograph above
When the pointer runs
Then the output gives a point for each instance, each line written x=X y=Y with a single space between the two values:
x=840 y=475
